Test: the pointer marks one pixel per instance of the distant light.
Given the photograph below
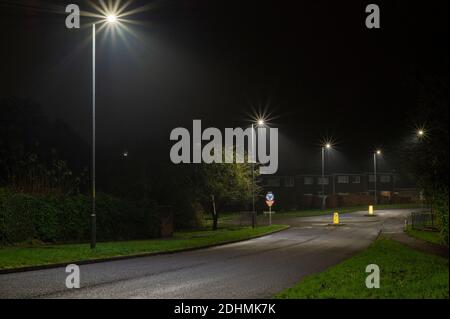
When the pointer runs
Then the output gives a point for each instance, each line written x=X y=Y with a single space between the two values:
x=125 y=154
x=328 y=145
x=420 y=132
x=378 y=152
x=111 y=18
x=261 y=122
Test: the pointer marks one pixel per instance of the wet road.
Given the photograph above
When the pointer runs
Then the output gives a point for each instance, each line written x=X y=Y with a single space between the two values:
x=256 y=268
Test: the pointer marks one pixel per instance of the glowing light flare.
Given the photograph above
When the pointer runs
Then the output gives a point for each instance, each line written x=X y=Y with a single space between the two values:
x=112 y=13
x=111 y=18
x=327 y=143
x=260 y=115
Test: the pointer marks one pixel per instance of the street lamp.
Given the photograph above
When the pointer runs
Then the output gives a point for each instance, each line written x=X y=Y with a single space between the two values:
x=259 y=123
x=111 y=19
x=375 y=154
x=326 y=146
x=421 y=133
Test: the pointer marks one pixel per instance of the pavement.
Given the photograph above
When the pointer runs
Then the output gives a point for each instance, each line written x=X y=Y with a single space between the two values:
x=256 y=268
x=423 y=246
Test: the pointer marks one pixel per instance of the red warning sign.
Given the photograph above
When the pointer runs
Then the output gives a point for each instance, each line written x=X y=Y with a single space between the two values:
x=270 y=203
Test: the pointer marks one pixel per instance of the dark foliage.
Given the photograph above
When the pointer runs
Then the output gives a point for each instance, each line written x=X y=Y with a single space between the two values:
x=50 y=218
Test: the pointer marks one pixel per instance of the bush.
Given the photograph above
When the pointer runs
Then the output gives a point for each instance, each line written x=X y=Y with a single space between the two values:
x=440 y=207
x=188 y=214
x=67 y=219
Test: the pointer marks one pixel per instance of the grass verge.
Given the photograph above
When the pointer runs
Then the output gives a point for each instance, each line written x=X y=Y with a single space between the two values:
x=433 y=237
x=17 y=257
x=404 y=273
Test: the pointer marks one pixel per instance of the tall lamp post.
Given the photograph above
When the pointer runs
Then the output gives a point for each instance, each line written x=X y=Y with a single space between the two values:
x=259 y=123
x=327 y=146
x=111 y=19
x=375 y=154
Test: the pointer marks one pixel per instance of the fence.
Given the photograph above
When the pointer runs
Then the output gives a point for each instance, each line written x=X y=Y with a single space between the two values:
x=246 y=218
x=423 y=220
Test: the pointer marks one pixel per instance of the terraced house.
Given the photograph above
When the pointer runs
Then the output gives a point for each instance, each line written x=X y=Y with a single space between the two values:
x=341 y=189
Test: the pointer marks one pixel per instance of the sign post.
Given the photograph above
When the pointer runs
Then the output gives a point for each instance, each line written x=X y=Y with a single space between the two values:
x=270 y=200
x=270 y=215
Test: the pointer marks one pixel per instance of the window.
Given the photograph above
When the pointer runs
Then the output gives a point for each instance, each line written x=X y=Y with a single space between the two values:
x=289 y=181
x=371 y=178
x=309 y=180
x=356 y=179
x=342 y=180
x=273 y=181
x=323 y=181
x=385 y=178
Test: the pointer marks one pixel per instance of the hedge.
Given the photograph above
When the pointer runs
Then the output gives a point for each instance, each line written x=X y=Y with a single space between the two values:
x=440 y=207
x=26 y=217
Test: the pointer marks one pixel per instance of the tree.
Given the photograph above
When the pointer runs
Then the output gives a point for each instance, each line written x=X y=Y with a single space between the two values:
x=226 y=184
x=426 y=156
x=32 y=148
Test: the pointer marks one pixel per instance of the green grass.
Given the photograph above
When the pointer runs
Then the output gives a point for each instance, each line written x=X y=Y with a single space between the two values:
x=15 y=257
x=429 y=236
x=225 y=220
x=404 y=273
x=343 y=210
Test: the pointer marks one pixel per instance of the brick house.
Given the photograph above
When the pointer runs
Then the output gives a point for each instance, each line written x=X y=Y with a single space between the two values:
x=341 y=189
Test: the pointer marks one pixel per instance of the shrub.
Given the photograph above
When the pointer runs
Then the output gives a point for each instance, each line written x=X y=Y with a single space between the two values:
x=440 y=207
x=67 y=219
x=188 y=214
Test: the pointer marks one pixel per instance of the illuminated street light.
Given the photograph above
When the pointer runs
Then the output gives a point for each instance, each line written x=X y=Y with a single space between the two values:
x=326 y=146
x=110 y=19
x=378 y=152
x=259 y=123
x=421 y=133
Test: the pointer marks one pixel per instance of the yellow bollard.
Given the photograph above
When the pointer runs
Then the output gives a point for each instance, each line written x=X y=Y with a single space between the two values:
x=371 y=212
x=336 y=218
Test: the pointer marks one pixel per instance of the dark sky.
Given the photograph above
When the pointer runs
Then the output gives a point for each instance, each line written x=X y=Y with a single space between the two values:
x=312 y=64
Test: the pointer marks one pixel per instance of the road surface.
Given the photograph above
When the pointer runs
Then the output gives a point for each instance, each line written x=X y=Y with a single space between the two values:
x=256 y=268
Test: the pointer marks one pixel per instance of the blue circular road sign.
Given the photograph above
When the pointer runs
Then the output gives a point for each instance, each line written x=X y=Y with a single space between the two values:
x=270 y=196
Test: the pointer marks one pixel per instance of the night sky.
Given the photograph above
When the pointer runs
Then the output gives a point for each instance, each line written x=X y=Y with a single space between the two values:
x=313 y=65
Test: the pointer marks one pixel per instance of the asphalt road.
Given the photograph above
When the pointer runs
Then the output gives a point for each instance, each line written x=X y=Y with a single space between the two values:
x=256 y=268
